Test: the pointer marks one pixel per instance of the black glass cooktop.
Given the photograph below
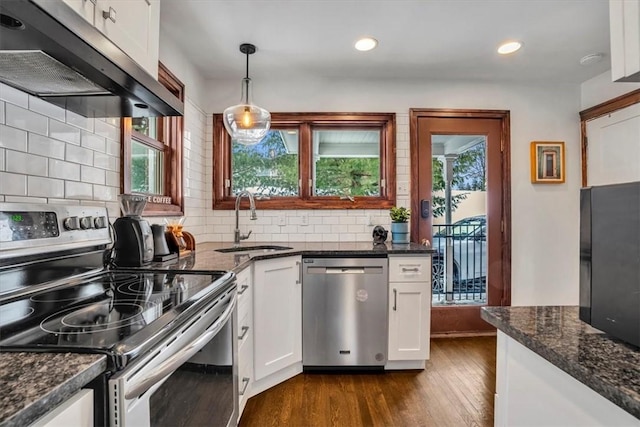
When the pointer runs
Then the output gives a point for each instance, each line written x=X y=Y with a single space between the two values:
x=105 y=310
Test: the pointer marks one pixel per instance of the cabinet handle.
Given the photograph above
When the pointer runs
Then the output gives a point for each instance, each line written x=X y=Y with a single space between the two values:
x=395 y=299
x=245 y=329
x=299 y=264
x=245 y=381
x=414 y=269
x=243 y=288
x=110 y=15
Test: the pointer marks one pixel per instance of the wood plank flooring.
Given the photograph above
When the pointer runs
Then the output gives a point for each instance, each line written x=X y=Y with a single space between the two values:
x=455 y=389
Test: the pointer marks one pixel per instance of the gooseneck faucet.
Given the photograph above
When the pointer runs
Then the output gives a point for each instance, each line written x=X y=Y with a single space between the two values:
x=252 y=206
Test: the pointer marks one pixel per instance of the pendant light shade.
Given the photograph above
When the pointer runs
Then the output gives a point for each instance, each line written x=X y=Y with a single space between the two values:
x=246 y=123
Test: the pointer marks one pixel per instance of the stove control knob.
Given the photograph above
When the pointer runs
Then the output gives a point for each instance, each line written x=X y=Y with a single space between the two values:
x=86 y=222
x=71 y=223
x=100 y=222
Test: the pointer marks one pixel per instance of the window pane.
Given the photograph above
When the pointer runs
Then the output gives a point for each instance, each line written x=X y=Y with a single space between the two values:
x=346 y=162
x=269 y=168
x=146 y=125
x=147 y=169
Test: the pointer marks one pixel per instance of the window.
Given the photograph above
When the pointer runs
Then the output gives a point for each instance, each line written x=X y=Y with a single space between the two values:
x=310 y=161
x=152 y=156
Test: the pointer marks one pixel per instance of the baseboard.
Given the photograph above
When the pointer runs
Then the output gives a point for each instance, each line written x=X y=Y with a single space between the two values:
x=464 y=334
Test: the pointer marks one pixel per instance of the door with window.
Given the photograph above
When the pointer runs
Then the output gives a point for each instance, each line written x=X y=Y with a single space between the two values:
x=460 y=190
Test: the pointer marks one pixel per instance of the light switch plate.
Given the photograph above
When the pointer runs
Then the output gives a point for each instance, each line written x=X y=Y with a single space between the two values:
x=304 y=220
x=403 y=188
x=282 y=220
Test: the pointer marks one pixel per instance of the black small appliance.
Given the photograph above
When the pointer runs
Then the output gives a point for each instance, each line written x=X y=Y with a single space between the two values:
x=610 y=259
x=134 y=238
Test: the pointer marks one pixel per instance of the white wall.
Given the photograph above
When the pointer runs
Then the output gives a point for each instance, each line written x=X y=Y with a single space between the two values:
x=545 y=230
x=600 y=89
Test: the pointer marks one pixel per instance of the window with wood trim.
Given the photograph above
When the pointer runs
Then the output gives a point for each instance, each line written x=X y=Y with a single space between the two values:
x=310 y=161
x=152 y=156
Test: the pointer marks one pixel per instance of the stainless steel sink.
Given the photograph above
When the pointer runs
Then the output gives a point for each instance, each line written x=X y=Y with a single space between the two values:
x=259 y=248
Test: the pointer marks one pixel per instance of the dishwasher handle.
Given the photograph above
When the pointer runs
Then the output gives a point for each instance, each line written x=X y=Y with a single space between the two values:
x=344 y=270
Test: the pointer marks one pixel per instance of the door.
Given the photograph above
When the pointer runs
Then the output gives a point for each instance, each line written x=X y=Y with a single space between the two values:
x=277 y=315
x=460 y=187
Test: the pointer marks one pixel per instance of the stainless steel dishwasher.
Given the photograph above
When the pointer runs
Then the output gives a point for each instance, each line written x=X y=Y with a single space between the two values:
x=344 y=312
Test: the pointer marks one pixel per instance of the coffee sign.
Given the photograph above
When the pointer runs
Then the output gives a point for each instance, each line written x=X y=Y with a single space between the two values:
x=164 y=200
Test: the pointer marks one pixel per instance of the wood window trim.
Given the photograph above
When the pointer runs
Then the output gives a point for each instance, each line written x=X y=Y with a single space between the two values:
x=306 y=122
x=596 y=111
x=169 y=132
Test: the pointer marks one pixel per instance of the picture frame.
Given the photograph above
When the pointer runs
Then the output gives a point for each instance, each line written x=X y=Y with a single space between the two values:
x=547 y=162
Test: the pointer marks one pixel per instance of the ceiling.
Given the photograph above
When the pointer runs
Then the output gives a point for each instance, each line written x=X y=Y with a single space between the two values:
x=418 y=39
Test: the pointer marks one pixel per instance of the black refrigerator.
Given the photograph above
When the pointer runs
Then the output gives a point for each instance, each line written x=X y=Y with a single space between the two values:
x=610 y=259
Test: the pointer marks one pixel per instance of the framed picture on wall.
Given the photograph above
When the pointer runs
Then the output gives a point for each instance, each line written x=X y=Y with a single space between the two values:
x=547 y=162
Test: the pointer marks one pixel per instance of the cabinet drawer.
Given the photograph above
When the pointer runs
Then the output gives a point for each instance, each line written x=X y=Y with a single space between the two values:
x=409 y=269
x=244 y=291
x=245 y=330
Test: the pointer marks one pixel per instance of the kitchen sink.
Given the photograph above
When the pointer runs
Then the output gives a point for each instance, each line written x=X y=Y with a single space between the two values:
x=259 y=248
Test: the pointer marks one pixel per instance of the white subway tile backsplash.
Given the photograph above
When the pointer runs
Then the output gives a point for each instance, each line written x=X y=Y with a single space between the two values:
x=78 y=190
x=13 y=184
x=92 y=175
x=12 y=138
x=2 y=157
x=86 y=123
x=45 y=187
x=64 y=132
x=102 y=192
x=14 y=96
x=79 y=155
x=107 y=130
x=21 y=199
x=43 y=146
x=40 y=106
x=18 y=117
x=112 y=179
x=64 y=170
x=30 y=164
x=105 y=161
x=94 y=142
x=1 y=112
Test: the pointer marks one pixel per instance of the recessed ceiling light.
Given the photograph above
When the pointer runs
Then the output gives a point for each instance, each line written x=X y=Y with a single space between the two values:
x=509 y=47
x=366 y=43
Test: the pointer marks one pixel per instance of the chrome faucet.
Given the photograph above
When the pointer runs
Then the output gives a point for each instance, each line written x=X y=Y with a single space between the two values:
x=252 y=206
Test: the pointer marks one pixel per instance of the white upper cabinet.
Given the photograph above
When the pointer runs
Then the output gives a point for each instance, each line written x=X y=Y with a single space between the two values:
x=624 y=24
x=132 y=25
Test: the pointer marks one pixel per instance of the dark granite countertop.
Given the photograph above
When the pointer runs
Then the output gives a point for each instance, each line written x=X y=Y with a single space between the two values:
x=205 y=256
x=606 y=365
x=33 y=384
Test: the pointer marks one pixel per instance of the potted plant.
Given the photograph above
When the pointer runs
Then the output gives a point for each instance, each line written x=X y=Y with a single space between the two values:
x=399 y=224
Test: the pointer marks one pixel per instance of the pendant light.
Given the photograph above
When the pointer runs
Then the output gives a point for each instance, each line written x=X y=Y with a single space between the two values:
x=246 y=123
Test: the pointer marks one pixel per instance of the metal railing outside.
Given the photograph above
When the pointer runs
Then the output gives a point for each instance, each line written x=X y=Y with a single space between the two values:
x=459 y=266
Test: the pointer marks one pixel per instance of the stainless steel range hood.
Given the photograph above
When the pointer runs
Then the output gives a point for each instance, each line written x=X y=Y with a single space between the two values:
x=49 y=51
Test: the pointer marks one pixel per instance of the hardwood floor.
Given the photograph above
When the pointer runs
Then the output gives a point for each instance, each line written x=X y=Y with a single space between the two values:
x=455 y=389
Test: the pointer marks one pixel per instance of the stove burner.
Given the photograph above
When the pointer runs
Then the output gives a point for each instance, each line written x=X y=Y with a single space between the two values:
x=93 y=318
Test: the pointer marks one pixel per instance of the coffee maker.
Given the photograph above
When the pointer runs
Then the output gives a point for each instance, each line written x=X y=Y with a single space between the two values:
x=134 y=239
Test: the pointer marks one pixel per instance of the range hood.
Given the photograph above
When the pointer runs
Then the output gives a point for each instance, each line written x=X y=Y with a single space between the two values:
x=49 y=51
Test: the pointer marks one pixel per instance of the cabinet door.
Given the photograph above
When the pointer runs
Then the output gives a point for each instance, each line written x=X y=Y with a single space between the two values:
x=134 y=26
x=624 y=24
x=409 y=320
x=75 y=411
x=277 y=315
x=84 y=8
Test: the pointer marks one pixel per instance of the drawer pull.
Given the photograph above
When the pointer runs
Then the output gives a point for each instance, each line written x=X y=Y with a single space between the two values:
x=414 y=269
x=395 y=299
x=245 y=329
x=245 y=381
x=110 y=15
x=242 y=289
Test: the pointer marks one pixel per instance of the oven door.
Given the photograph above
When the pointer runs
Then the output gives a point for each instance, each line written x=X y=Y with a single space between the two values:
x=190 y=380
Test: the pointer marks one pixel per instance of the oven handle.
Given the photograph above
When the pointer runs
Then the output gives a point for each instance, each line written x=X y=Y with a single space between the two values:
x=175 y=361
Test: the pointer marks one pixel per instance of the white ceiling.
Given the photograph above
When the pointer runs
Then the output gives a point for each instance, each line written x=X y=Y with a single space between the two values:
x=418 y=39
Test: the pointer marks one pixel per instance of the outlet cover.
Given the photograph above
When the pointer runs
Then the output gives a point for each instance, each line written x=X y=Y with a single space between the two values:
x=403 y=188
x=304 y=220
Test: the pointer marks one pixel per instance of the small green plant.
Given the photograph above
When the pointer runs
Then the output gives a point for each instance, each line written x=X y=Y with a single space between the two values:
x=399 y=214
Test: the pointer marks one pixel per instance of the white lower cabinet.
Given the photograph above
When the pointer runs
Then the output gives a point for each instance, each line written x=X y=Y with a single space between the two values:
x=76 y=411
x=409 y=311
x=277 y=319
x=245 y=336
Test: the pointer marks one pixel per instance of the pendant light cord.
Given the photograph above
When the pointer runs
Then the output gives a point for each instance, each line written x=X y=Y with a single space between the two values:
x=247 y=64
